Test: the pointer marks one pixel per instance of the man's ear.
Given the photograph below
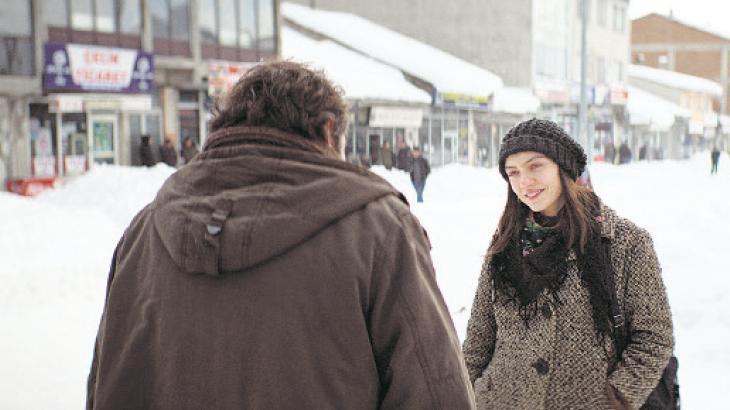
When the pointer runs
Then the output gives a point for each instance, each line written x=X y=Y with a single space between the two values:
x=328 y=128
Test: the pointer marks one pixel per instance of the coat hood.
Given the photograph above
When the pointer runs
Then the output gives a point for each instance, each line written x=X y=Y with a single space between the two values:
x=254 y=194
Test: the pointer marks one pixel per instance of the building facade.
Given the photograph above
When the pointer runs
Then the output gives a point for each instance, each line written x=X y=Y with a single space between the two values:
x=82 y=80
x=667 y=43
x=528 y=43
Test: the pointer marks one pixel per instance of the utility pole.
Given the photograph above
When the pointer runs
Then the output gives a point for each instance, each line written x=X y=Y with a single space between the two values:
x=583 y=108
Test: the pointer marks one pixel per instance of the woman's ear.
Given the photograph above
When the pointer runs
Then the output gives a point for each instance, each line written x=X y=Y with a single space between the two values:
x=327 y=129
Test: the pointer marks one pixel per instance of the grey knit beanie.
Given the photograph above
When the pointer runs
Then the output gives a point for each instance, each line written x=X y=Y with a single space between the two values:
x=545 y=137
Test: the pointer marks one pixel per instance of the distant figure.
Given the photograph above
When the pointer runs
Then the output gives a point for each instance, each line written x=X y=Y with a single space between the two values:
x=403 y=160
x=624 y=153
x=146 y=156
x=386 y=156
x=715 y=157
x=419 y=172
x=168 y=154
x=609 y=152
x=189 y=150
x=642 y=152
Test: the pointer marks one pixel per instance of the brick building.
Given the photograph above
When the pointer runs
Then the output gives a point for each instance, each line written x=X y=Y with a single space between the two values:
x=665 y=42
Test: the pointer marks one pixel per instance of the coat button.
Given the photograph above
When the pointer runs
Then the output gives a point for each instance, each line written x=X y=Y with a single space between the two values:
x=541 y=366
x=546 y=311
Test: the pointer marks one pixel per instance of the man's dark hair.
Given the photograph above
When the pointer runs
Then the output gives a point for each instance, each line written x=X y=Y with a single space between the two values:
x=287 y=96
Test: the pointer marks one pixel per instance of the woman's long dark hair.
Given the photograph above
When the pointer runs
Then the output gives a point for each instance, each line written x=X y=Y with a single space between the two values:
x=580 y=232
x=576 y=219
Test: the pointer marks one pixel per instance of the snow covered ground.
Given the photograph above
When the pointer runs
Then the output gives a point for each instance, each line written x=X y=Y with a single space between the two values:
x=55 y=251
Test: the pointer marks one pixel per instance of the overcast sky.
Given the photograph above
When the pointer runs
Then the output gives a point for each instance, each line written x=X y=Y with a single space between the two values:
x=710 y=14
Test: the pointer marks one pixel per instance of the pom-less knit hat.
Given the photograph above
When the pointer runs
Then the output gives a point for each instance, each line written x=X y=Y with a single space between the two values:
x=545 y=137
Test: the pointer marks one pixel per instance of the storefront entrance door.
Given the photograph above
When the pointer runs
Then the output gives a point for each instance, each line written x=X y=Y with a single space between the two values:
x=103 y=132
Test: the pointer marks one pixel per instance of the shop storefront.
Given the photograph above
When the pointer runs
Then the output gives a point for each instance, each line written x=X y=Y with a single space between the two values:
x=98 y=103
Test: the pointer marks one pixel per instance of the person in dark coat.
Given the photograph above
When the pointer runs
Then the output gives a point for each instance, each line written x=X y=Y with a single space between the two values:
x=419 y=172
x=268 y=273
x=386 y=156
x=167 y=153
x=609 y=152
x=403 y=160
x=541 y=330
x=624 y=153
x=189 y=150
x=715 y=158
x=146 y=156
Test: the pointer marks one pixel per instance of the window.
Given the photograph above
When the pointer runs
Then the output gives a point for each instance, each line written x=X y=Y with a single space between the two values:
x=82 y=16
x=247 y=24
x=130 y=17
x=105 y=16
x=180 y=13
x=171 y=26
x=207 y=20
x=56 y=14
x=267 y=26
x=16 y=39
x=619 y=18
x=227 y=35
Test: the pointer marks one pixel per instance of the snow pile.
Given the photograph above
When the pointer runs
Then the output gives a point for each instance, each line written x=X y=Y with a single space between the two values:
x=674 y=79
x=361 y=77
x=55 y=252
x=449 y=74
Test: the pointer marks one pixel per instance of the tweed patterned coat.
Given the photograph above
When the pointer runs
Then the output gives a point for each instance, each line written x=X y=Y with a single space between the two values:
x=557 y=361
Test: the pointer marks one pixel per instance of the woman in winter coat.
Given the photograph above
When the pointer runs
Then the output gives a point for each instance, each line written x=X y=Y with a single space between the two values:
x=540 y=335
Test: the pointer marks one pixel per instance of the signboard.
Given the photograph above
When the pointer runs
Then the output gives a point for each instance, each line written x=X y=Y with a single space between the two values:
x=396 y=117
x=74 y=67
x=222 y=76
x=462 y=100
x=618 y=95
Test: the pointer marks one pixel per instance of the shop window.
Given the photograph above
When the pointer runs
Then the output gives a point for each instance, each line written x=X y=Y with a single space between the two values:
x=82 y=15
x=16 y=39
x=42 y=142
x=74 y=143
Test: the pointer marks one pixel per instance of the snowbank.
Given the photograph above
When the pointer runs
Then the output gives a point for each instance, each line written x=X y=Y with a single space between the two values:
x=446 y=72
x=55 y=252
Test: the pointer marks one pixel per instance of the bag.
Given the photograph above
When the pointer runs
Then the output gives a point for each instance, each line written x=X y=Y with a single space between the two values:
x=665 y=395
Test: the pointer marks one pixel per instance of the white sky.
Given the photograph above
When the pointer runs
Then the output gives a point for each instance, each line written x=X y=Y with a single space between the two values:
x=709 y=14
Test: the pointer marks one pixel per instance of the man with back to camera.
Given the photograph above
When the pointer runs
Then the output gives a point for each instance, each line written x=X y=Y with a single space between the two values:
x=270 y=273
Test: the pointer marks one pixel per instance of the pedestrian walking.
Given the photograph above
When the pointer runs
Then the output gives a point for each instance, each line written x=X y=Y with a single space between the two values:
x=272 y=274
x=624 y=153
x=419 y=172
x=715 y=158
x=562 y=274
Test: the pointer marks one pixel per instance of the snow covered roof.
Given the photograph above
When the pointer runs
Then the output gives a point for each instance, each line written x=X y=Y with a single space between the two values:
x=360 y=77
x=674 y=79
x=648 y=109
x=515 y=100
x=447 y=73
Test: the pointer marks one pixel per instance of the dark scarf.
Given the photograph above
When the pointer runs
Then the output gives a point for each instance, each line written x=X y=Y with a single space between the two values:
x=533 y=267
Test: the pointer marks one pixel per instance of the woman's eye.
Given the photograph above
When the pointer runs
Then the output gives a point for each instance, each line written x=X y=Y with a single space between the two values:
x=535 y=166
x=512 y=174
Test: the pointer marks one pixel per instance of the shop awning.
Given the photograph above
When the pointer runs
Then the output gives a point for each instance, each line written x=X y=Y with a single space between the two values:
x=514 y=100
x=648 y=109
x=359 y=76
x=452 y=78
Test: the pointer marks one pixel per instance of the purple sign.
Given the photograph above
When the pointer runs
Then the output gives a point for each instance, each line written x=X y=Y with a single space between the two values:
x=80 y=67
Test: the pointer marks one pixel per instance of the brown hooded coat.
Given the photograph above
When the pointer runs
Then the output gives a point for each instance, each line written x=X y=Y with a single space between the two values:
x=266 y=275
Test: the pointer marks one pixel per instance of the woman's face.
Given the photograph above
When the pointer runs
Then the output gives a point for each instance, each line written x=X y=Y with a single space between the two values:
x=535 y=179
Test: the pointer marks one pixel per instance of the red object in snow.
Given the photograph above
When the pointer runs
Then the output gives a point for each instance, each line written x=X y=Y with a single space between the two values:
x=30 y=186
